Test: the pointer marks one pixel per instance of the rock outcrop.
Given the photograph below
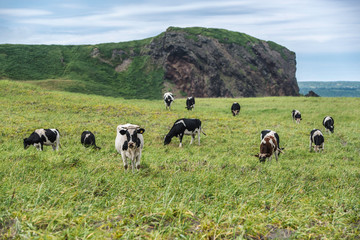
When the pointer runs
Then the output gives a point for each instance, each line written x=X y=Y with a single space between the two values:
x=205 y=66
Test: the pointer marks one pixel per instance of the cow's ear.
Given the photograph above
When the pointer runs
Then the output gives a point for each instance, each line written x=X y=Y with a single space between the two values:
x=257 y=155
x=122 y=132
x=141 y=130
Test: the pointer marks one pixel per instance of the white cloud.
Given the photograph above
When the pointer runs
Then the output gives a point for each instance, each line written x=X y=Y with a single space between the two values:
x=23 y=12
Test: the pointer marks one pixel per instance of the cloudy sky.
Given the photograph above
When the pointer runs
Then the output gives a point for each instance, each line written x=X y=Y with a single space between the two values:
x=324 y=34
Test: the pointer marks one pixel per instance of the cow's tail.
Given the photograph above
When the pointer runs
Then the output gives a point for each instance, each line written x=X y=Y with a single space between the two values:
x=203 y=132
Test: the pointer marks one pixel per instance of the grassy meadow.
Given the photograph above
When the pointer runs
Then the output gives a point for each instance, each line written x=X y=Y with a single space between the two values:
x=218 y=190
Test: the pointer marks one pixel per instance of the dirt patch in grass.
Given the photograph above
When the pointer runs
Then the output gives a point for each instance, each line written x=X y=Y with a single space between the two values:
x=7 y=229
x=278 y=233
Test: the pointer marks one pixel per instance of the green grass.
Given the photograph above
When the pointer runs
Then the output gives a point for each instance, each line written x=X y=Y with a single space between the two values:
x=223 y=35
x=216 y=190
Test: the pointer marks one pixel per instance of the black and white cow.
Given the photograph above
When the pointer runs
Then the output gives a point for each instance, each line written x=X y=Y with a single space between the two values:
x=168 y=99
x=183 y=127
x=190 y=103
x=328 y=123
x=269 y=145
x=129 y=143
x=235 y=108
x=41 y=137
x=316 y=138
x=296 y=116
x=88 y=139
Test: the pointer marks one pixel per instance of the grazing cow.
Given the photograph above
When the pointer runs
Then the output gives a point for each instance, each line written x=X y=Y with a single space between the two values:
x=168 y=99
x=183 y=127
x=129 y=143
x=88 y=139
x=235 y=108
x=317 y=138
x=296 y=115
x=328 y=123
x=41 y=137
x=269 y=145
x=190 y=103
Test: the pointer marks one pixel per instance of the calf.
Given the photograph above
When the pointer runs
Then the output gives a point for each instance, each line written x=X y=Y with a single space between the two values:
x=129 y=143
x=88 y=139
x=328 y=123
x=190 y=103
x=235 y=108
x=269 y=145
x=296 y=115
x=183 y=127
x=168 y=99
x=41 y=137
x=317 y=138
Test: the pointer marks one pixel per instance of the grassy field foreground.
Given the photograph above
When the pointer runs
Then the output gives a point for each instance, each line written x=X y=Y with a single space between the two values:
x=216 y=190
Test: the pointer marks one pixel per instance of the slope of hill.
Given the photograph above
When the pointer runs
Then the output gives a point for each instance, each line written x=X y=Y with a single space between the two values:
x=191 y=61
x=215 y=190
x=331 y=89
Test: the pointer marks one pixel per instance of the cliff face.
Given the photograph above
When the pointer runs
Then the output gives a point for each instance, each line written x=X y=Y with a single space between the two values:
x=205 y=66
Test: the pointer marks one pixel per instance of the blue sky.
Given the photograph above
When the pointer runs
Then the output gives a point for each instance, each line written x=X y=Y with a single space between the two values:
x=324 y=34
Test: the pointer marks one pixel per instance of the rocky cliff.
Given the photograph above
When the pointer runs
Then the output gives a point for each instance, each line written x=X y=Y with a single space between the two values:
x=219 y=63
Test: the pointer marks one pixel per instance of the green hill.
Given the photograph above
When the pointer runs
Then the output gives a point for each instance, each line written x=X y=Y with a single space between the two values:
x=145 y=68
x=52 y=66
x=215 y=190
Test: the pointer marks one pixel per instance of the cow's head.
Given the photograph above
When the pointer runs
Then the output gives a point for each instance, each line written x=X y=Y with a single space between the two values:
x=235 y=112
x=167 y=139
x=331 y=128
x=318 y=148
x=298 y=120
x=132 y=140
x=168 y=100
x=262 y=156
x=26 y=143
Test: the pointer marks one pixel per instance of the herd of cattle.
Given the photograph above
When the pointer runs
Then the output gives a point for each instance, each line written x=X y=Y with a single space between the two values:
x=129 y=140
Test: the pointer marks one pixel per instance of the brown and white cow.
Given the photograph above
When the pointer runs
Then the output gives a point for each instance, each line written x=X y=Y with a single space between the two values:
x=269 y=145
x=129 y=143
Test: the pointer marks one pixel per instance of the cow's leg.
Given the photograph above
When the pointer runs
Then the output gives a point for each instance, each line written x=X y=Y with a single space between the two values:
x=54 y=147
x=199 y=133
x=57 y=143
x=124 y=161
x=180 y=138
x=310 y=146
x=192 y=138
x=323 y=146
x=133 y=160
x=276 y=155
x=138 y=161
x=37 y=146
x=270 y=158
